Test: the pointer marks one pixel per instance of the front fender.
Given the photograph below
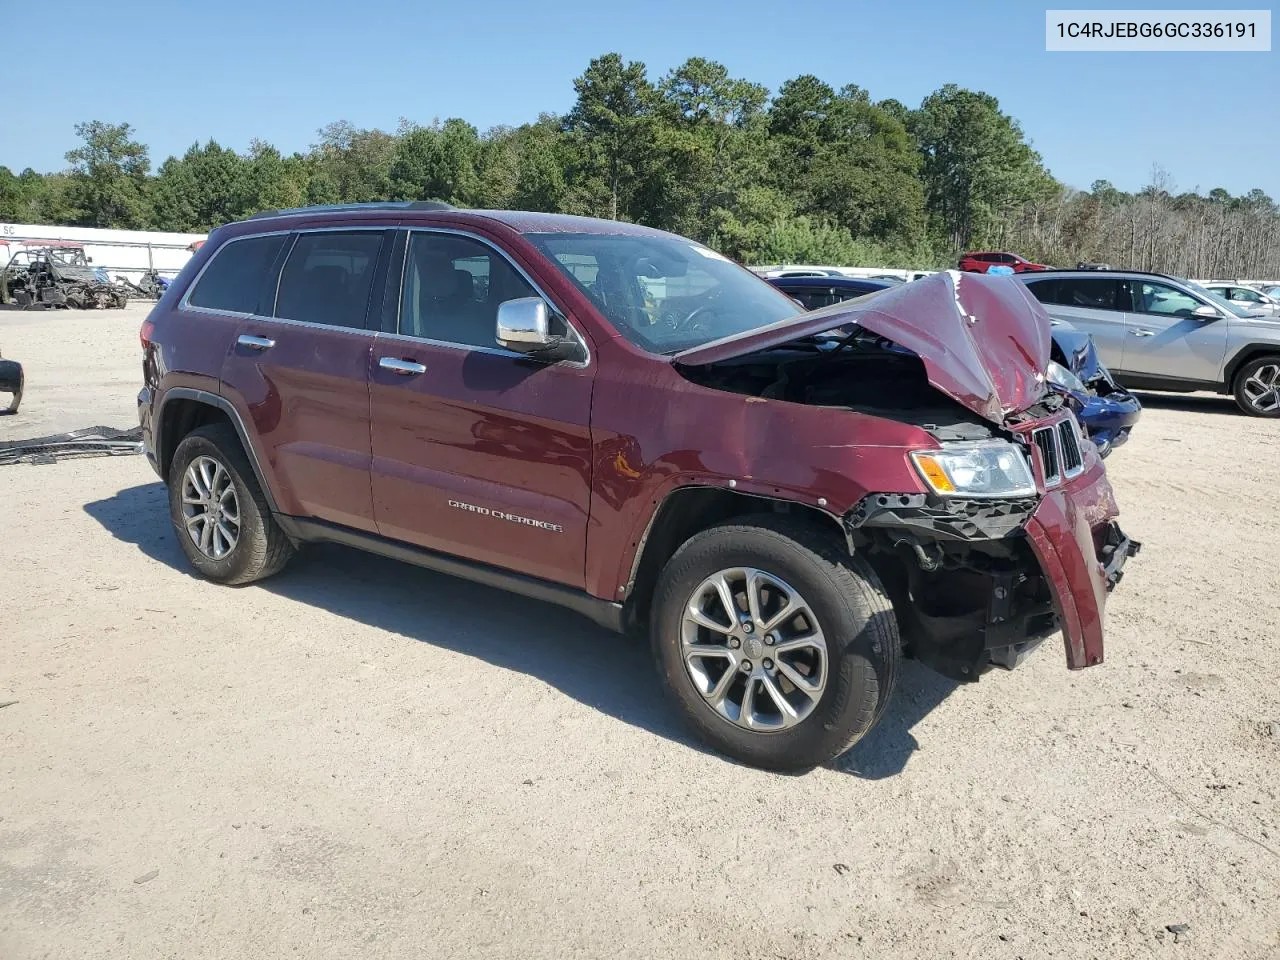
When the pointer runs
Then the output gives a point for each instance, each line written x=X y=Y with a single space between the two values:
x=695 y=436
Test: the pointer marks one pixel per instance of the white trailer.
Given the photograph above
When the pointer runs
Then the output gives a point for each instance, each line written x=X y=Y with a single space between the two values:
x=125 y=253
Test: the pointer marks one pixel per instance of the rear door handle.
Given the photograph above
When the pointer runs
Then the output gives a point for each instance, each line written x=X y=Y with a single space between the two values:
x=406 y=368
x=256 y=343
x=1142 y=332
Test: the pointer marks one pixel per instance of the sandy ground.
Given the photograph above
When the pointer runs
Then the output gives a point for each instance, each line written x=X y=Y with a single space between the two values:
x=363 y=759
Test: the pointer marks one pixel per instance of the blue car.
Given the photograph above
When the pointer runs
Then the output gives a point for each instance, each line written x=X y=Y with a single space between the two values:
x=1106 y=409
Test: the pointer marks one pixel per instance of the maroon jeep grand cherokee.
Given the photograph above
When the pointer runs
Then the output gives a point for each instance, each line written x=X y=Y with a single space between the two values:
x=624 y=422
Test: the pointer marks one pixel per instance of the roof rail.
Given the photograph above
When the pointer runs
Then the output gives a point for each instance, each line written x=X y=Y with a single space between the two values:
x=340 y=207
x=1141 y=273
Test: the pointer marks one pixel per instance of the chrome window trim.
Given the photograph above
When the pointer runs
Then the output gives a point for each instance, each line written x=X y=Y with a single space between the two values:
x=461 y=347
x=185 y=303
x=466 y=347
x=309 y=324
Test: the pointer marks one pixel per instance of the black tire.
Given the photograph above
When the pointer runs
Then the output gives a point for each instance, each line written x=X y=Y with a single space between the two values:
x=1243 y=375
x=261 y=548
x=853 y=611
x=11 y=382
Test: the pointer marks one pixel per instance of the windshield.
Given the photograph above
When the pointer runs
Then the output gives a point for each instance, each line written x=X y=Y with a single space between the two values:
x=1238 y=309
x=665 y=294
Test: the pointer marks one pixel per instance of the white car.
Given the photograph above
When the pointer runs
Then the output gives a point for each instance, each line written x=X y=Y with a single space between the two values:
x=1247 y=297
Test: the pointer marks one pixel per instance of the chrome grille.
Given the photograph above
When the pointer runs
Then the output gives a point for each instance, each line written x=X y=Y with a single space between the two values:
x=1060 y=450
x=1045 y=439
x=1069 y=435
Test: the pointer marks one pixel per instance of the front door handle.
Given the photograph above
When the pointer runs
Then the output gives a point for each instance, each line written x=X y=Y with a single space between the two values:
x=1143 y=332
x=256 y=343
x=406 y=368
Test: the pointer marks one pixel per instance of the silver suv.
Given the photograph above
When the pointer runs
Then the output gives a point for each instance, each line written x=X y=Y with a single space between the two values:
x=1157 y=332
x=1244 y=296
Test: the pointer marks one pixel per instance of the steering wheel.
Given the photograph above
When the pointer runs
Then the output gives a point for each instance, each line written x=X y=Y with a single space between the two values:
x=687 y=323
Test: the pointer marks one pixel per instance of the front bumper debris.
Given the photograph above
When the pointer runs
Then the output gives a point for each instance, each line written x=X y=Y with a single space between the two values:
x=87 y=442
x=1082 y=552
x=977 y=583
x=1116 y=550
x=951 y=518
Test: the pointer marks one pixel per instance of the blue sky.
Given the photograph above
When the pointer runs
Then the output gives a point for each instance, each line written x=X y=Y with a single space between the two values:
x=279 y=69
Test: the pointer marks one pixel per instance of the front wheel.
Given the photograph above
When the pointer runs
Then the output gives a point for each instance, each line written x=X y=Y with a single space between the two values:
x=219 y=513
x=778 y=648
x=1257 y=387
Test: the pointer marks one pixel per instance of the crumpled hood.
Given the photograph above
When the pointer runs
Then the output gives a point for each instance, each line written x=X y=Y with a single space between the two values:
x=984 y=341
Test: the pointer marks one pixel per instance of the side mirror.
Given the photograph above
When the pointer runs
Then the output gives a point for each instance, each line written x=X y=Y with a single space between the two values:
x=1206 y=312
x=524 y=325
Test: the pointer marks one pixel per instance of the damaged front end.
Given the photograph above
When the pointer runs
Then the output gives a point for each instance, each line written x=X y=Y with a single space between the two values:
x=979 y=582
x=966 y=586
x=1106 y=410
x=1010 y=533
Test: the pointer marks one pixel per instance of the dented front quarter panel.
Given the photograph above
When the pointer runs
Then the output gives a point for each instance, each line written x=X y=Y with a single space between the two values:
x=1062 y=533
x=655 y=432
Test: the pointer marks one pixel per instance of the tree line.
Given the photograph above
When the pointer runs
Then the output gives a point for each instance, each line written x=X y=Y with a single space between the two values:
x=811 y=174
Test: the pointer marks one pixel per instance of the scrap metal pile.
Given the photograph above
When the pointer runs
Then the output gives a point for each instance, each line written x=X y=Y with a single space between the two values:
x=150 y=285
x=55 y=276
x=89 y=442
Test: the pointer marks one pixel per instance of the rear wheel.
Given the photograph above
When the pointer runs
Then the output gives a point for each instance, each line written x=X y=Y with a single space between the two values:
x=1257 y=387
x=779 y=649
x=219 y=513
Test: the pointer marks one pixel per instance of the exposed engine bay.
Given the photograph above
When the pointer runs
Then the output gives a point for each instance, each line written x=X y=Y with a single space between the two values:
x=850 y=369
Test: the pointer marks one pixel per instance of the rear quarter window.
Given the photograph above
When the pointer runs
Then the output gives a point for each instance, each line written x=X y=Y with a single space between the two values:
x=233 y=280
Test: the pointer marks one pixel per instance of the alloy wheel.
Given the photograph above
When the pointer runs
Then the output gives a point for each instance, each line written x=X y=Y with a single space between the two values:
x=1262 y=389
x=210 y=508
x=754 y=650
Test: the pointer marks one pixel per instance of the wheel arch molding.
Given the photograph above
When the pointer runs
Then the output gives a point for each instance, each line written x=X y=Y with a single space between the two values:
x=164 y=422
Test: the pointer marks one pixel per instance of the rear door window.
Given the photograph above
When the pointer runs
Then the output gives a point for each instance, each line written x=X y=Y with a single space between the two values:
x=1088 y=294
x=235 y=278
x=1093 y=294
x=328 y=276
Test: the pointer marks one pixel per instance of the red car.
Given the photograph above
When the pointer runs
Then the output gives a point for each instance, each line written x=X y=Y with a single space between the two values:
x=624 y=422
x=981 y=262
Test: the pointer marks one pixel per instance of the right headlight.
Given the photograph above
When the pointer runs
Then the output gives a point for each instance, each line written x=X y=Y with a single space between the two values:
x=1058 y=374
x=983 y=468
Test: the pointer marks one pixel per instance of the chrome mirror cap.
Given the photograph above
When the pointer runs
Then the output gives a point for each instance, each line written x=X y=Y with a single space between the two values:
x=524 y=324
